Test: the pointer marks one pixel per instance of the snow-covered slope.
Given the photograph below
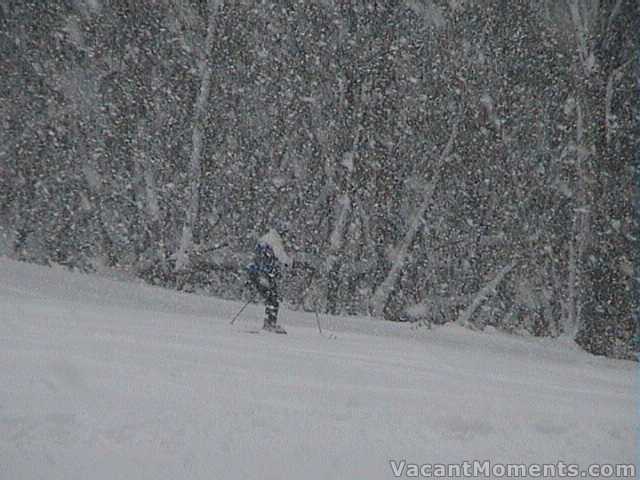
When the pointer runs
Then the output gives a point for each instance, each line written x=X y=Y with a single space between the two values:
x=101 y=379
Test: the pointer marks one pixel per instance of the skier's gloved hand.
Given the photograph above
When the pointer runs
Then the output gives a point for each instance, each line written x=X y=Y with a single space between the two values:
x=275 y=272
x=265 y=280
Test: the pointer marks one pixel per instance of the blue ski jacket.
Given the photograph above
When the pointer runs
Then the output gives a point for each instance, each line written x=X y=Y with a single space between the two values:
x=265 y=261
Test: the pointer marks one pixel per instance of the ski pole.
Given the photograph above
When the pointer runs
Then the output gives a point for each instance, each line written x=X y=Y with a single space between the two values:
x=318 y=321
x=322 y=334
x=239 y=312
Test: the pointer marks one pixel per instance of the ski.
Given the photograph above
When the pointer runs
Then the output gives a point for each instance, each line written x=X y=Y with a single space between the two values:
x=280 y=331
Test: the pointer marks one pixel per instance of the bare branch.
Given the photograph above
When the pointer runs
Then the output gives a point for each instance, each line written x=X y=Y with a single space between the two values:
x=384 y=290
x=485 y=292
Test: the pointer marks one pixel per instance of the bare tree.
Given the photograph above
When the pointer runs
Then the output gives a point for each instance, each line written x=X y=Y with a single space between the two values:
x=198 y=127
x=416 y=222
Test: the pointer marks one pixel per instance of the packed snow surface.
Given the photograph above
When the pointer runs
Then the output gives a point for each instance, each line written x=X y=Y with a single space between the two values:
x=107 y=379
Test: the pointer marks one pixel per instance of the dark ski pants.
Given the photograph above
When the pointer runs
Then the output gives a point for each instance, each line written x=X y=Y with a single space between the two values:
x=268 y=289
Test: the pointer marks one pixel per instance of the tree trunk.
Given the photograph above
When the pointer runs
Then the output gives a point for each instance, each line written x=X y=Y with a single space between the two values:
x=195 y=164
x=579 y=230
x=605 y=326
x=383 y=292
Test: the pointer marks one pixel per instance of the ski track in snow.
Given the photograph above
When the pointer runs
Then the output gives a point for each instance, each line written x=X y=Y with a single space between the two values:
x=106 y=379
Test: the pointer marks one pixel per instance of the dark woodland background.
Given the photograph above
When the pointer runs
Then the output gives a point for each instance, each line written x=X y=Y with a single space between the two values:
x=467 y=161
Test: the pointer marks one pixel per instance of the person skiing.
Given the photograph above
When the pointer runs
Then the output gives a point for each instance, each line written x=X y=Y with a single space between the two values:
x=264 y=272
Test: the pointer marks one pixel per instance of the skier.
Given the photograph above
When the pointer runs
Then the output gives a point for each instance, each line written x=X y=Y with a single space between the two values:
x=264 y=272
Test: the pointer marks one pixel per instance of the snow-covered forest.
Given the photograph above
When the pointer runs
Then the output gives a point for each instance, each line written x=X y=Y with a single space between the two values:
x=436 y=160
